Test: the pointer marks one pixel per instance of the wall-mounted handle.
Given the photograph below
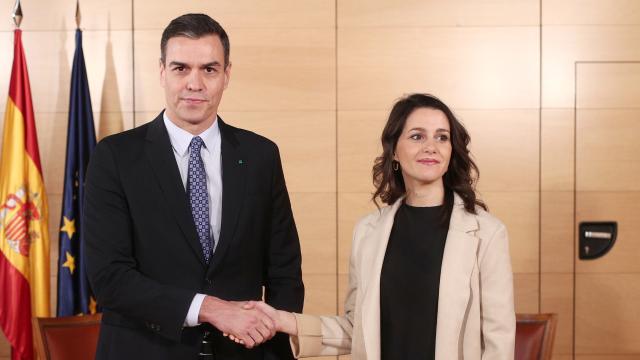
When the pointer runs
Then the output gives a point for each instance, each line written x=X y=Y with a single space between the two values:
x=596 y=239
x=597 y=235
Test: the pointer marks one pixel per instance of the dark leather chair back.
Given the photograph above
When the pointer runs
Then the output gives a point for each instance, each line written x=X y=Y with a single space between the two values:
x=534 y=336
x=67 y=338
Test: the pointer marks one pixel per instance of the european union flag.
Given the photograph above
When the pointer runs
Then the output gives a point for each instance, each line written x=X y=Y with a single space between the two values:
x=74 y=293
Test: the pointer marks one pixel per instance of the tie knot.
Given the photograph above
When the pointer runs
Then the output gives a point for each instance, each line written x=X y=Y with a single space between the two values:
x=196 y=144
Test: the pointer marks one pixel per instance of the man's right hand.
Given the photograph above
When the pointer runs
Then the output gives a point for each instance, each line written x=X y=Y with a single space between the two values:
x=251 y=325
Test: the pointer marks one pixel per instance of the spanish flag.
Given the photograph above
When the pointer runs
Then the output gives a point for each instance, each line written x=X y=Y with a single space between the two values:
x=24 y=239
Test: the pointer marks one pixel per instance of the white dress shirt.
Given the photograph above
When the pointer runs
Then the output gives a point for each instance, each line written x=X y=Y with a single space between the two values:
x=212 y=159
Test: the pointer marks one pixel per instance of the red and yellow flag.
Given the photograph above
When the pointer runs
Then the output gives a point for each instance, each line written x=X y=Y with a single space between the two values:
x=24 y=238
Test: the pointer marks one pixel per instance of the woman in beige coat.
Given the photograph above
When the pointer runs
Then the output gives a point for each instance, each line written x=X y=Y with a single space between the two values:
x=430 y=274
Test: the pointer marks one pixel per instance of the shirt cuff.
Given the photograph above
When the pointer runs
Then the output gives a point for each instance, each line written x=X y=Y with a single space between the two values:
x=194 y=311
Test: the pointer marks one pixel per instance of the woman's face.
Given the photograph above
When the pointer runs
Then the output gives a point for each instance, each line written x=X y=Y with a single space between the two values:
x=424 y=147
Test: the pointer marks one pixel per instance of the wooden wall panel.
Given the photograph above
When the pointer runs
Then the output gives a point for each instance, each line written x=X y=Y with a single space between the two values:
x=358 y=146
x=410 y=13
x=52 y=135
x=108 y=58
x=239 y=13
x=272 y=69
x=519 y=212
x=557 y=231
x=320 y=294
x=606 y=313
x=584 y=31
x=505 y=145
x=557 y=149
x=49 y=58
x=59 y=15
x=526 y=289
x=556 y=296
x=52 y=127
x=315 y=215
x=605 y=117
x=6 y=39
x=590 y=12
x=611 y=85
x=605 y=161
x=472 y=68
x=278 y=69
x=306 y=140
x=562 y=46
x=55 y=208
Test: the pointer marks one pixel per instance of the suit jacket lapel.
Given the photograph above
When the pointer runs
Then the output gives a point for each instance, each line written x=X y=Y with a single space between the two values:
x=455 y=278
x=160 y=154
x=371 y=303
x=234 y=163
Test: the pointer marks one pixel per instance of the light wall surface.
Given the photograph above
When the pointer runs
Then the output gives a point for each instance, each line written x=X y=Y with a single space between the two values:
x=319 y=78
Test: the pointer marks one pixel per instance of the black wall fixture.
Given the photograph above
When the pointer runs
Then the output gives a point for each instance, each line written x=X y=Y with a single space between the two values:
x=596 y=238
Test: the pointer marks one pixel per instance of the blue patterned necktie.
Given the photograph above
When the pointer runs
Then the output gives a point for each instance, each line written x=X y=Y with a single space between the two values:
x=199 y=197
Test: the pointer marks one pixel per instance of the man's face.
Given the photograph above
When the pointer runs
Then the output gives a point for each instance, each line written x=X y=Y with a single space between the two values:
x=193 y=76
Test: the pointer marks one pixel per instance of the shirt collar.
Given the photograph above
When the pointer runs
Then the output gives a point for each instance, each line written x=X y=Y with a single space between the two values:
x=180 y=138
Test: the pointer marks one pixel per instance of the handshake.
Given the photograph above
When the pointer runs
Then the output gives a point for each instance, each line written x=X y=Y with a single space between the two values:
x=249 y=323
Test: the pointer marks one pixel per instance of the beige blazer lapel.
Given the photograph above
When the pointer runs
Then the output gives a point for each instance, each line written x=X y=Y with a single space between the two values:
x=371 y=298
x=459 y=259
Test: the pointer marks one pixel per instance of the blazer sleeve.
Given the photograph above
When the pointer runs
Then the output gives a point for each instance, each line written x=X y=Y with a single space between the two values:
x=111 y=265
x=496 y=299
x=328 y=335
x=284 y=288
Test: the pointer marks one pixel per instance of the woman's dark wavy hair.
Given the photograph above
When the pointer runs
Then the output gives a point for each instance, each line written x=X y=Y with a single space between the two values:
x=462 y=174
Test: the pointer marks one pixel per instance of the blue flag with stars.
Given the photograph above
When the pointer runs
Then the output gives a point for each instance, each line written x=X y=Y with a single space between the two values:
x=74 y=293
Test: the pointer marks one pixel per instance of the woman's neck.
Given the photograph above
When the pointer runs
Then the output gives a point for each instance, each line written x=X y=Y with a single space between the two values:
x=422 y=195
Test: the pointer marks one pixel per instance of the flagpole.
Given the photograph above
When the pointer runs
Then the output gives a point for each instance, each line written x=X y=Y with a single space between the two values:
x=17 y=14
x=78 y=17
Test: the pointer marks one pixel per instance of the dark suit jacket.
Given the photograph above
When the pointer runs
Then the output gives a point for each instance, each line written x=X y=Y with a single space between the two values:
x=145 y=262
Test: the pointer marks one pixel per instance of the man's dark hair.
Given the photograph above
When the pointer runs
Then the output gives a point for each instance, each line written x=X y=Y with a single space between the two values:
x=194 y=26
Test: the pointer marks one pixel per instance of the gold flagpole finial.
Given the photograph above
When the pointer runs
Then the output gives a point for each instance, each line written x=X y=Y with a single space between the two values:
x=78 y=17
x=17 y=14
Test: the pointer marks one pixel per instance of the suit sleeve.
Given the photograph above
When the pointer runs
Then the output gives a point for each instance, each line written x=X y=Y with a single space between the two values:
x=111 y=263
x=496 y=292
x=284 y=289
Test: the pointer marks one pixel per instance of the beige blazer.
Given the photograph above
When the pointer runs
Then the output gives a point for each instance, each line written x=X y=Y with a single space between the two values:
x=476 y=318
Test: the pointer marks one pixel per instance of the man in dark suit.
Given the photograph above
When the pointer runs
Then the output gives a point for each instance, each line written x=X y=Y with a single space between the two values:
x=187 y=217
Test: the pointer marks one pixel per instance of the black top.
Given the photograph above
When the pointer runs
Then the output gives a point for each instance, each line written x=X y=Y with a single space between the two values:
x=409 y=283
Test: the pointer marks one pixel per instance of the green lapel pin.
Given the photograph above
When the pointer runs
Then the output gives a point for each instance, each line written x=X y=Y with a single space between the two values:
x=240 y=162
